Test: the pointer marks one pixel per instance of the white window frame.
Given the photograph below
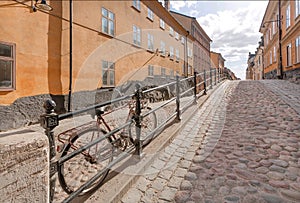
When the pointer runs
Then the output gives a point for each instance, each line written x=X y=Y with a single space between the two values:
x=176 y=35
x=288 y=16
x=171 y=31
x=162 y=48
x=136 y=35
x=150 y=14
x=162 y=24
x=297 y=51
x=171 y=52
x=297 y=8
x=177 y=54
x=109 y=21
x=110 y=69
x=275 y=53
x=150 y=70
x=271 y=56
x=136 y=4
x=289 y=54
x=8 y=84
x=150 y=42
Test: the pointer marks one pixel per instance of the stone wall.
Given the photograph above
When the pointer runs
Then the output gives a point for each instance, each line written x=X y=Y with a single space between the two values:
x=24 y=167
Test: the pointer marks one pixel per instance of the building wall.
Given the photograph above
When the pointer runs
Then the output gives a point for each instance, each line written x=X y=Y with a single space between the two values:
x=42 y=54
x=271 y=39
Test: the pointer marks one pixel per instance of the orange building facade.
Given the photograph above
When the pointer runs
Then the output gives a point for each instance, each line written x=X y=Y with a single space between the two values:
x=217 y=61
x=112 y=42
x=280 y=28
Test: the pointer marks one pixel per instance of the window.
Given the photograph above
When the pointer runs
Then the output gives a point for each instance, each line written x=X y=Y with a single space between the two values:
x=289 y=55
x=176 y=35
x=297 y=49
x=163 y=71
x=163 y=48
x=190 y=52
x=7 y=66
x=150 y=14
x=297 y=8
x=171 y=52
x=271 y=57
x=136 y=35
x=172 y=73
x=108 y=73
x=182 y=40
x=274 y=52
x=273 y=28
x=270 y=34
x=136 y=4
x=162 y=23
x=108 y=22
x=150 y=70
x=177 y=54
x=287 y=20
x=171 y=31
x=150 y=42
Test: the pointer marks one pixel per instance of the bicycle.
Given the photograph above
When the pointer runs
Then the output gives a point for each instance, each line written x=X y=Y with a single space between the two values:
x=71 y=176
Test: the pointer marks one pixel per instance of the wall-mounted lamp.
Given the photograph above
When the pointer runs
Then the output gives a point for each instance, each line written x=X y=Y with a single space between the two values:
x=41 y=5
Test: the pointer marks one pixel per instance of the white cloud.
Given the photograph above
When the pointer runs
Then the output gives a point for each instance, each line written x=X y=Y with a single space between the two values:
x=235 y=32
x=177 y=5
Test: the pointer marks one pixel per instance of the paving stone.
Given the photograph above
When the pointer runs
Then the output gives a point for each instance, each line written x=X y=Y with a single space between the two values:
x=275 y=175
x=291 y=194
x=186 y=185
x=232 y=199
x=165 y=174
x=175 y=182
x=190 y=176
x=262 y=170
x=134 y=195
x=168 y=194
x=158 y=184
x=271 y=198
x=279 y=184
x=182 y=196
x=277 y=169
x=279 y=162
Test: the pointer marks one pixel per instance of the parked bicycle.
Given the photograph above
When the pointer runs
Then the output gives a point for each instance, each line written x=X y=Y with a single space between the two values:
x=75 y=172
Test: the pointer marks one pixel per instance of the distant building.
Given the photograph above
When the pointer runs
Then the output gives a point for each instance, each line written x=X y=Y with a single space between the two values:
x=258 y=68
x=217 y=61
x=250 y=67
x=280 y=28
x=201 y=46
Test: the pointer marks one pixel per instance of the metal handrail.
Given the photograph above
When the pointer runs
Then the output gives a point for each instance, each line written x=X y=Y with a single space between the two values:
x=50 y=120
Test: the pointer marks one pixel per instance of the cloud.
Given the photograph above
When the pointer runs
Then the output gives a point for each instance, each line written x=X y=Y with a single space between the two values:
x=235 y=33
x=178 y=5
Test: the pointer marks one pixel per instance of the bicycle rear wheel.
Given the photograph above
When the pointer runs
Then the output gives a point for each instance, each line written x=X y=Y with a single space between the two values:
x=78 y=170
x=148 y=124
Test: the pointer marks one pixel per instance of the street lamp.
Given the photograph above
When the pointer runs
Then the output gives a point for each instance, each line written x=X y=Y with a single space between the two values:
x=41 y=5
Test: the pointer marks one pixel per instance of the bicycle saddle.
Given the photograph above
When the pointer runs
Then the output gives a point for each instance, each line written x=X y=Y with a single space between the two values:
x=97 y=112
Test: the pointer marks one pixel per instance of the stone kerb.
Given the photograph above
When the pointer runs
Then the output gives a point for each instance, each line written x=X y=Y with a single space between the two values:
x=24 y=166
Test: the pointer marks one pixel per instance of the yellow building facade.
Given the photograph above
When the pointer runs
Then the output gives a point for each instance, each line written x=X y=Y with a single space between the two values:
x=112 y=42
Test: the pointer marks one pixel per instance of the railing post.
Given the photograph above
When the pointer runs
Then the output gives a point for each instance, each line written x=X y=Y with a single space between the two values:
x=177 y=99
x=138 y=120
x=215 y=76
x=49 y=121
x=204 y=77
x=195 y=86
x=210 y=75
x=218 y=75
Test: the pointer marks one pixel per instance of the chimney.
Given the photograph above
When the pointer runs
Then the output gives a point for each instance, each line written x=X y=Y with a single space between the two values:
x=167 y=5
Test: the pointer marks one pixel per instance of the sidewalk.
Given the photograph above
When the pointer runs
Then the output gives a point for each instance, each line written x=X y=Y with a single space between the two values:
x=243 y=145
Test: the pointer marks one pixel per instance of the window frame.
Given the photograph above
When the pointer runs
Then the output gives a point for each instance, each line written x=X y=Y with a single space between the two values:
x=150 y=43
x=163 y=72
x=150 y=14
x=137 y=35
x=136 y=4
x=288 y=16
x=162 y=24
x=108 y=22
x=13 y=66
x=297 y=49
x=109 y=71
x=150 y=70
x=297 y=8
x=274 y=54
x=289 y=55
x=177 y=54
x=162 y=48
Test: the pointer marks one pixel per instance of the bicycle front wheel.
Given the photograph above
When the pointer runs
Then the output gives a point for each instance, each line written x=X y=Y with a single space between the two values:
x=148 y=124
x=78 y=170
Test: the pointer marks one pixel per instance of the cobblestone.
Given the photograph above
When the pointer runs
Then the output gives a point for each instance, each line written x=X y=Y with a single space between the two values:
x=247 y=148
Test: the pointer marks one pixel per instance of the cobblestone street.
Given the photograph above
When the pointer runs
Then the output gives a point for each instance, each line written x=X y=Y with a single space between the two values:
x=242 y=145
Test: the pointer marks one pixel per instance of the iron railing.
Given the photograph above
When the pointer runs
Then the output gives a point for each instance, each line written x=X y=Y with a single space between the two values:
x=50 y=120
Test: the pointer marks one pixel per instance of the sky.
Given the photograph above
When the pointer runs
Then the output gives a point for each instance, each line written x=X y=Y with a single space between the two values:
x=233 y=27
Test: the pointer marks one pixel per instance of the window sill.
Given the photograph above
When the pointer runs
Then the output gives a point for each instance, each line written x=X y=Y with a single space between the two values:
x=297 y=63
x=135 y=8
x=136 y=45
x=106 y=34
x=150 y=19
x=290 y=66
x=150 y=50
x=7 y=89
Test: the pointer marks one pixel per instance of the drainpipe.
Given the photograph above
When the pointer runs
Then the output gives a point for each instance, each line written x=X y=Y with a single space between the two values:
x=186 y=63
x=71 y=57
